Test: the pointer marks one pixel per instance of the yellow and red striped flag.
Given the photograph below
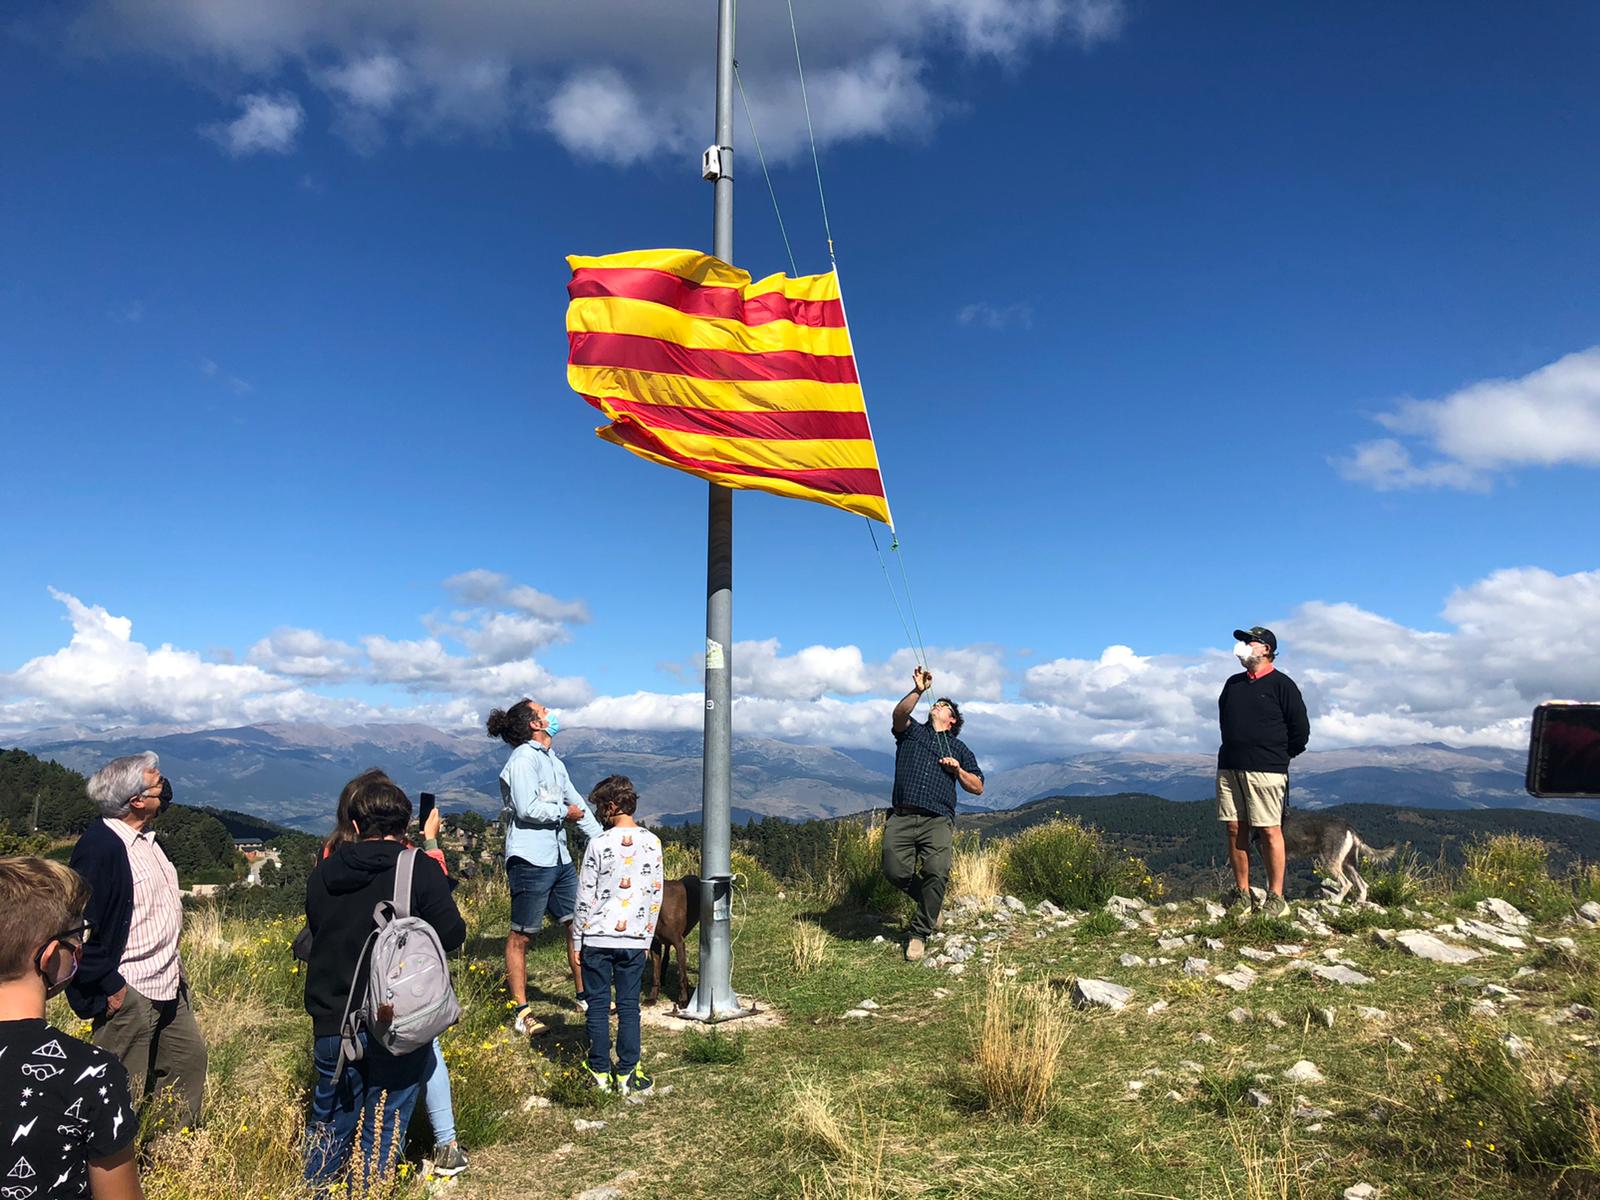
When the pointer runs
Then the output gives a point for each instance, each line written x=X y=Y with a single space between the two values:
x=750 y=385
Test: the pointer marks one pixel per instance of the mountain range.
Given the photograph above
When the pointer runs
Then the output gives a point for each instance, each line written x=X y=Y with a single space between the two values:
x=293 y=773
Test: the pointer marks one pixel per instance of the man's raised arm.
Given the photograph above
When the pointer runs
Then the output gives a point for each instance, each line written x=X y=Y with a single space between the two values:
x=921 y=681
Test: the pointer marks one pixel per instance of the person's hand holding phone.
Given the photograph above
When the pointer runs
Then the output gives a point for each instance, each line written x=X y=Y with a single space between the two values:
x=430 y=824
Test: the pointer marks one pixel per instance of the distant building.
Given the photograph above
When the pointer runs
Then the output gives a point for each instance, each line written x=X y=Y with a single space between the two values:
x=249 y=846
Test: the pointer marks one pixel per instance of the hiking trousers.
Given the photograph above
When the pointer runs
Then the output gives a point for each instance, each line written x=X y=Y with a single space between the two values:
x=160 y=1044
x=916 y=859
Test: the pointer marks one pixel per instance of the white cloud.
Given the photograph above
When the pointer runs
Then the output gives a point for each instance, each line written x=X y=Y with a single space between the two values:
x=1549 y=417
x=997 y=316
x=1507 y=641
x=612 y=80
x=268 y=125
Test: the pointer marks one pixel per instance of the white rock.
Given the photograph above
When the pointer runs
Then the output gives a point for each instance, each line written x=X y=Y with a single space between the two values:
x=1047 y=909
x=1100 y=993
x=1174 y=1096
x=1255 y=955
x=1136 y=1086
x=1368 y=1013
x=1578 y=1012
x=611 y=1189
x=869 y=1005
x=1289 y=949
x=855 y=1014
x=1360 y=1191
x=583 y=1126
x=1426 y=946
x=1324 y=1017
x=1523 y=972
x=957 y=968
x=940 y=993
x=1196 y=966
x=1514 y=1045
x=1190 y=1067
x=1131 y=960
x=1403 y=1046
x=1498 y=992
x=1213 y=910
x=879 y=940
x=1304 y=1071
x=1214 y=944
x=1160 y=1006
x=1258 y=1098
x=1239 y=1015
x=535 y=1101
x=1171 y=943
x=1204 y=1039
x=1304 y=1111
x=1344 y=976
x=1483 y=1008
x=1239 y=979
x=1590 y=912
x=1500 y=910
x=1015 y=905
x=1488 y=933
x=1122 y=906
x=1275 y=1019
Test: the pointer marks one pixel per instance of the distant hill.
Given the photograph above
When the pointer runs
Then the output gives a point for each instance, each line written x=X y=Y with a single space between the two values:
x=1184 y=842
x=292 y=774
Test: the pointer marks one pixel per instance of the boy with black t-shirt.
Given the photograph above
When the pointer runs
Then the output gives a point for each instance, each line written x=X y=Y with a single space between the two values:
x=69 y=1127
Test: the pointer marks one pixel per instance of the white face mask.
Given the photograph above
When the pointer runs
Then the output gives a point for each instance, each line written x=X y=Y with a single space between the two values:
x=1243 y=653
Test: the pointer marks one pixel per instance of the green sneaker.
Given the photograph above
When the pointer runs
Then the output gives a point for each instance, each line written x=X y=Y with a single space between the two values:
x=1238 y=903
x=635 y=1081
x=604 y=1081
x=1276 y=905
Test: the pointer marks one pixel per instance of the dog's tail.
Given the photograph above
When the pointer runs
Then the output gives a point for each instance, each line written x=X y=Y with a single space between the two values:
x=1373 y=854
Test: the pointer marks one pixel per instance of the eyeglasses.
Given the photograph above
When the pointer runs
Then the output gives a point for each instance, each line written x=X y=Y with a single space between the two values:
x=74 y=938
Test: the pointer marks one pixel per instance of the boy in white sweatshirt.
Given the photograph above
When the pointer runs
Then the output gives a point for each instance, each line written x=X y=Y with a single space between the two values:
x=619 y=899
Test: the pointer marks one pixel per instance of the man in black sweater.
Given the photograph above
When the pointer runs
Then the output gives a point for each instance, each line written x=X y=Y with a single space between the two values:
x=1264 y=725
x=379 y=1091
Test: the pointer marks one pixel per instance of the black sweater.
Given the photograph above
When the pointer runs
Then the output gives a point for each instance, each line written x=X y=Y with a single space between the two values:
x=340 y=895
x=102 y=859
x=1264 y=723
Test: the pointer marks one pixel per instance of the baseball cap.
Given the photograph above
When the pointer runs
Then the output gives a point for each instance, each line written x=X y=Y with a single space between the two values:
x=1258 y=633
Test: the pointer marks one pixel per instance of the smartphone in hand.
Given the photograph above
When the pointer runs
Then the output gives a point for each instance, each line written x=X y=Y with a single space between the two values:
x=425 y=805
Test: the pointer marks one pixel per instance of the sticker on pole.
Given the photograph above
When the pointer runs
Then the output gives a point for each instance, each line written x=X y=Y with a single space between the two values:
x=714 y=657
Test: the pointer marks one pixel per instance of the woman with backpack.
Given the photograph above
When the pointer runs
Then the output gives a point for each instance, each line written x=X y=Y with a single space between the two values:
x=377 y=1090
x=448 y=1157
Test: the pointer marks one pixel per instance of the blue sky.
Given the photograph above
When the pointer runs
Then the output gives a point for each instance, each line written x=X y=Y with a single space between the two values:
x=1171 y=317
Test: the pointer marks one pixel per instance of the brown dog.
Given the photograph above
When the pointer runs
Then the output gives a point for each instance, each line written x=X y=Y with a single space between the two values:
x=680 y=912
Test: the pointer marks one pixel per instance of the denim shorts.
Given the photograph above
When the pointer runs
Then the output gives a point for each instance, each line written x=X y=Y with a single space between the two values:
x=539 y=890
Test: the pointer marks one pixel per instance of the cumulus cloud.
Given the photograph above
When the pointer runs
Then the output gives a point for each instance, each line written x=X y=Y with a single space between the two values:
x=1508 y=641
x=268 y=125
x=612 y=80
x=1549 y=417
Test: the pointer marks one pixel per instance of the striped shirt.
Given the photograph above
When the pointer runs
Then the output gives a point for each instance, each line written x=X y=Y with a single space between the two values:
x=150 y=964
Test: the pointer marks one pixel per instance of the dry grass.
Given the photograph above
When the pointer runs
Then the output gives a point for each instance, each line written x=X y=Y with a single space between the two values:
x=808 y=947
x=854 y=1158
x=975 y=872
x=1269 y=1172
x=1021 y=1032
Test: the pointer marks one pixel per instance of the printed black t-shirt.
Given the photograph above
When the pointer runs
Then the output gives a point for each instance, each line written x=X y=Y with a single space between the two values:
x=66 y=1104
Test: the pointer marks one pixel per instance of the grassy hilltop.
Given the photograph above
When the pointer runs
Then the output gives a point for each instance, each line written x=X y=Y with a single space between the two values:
x=975 y=1075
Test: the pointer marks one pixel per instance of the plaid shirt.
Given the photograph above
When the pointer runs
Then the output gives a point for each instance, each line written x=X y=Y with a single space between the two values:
x=919 y=780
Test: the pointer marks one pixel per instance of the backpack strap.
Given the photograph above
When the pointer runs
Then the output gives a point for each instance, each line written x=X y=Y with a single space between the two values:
x=350 y=1048
x=402 y=882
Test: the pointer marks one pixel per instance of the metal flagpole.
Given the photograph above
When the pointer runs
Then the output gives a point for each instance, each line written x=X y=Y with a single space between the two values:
x=714 y=998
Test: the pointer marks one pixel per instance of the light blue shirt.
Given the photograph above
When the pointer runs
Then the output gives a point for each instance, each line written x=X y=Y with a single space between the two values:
x=535 y=790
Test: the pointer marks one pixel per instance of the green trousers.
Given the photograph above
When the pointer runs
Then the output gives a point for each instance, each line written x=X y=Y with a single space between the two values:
x=908 y=838
x=160 y=1044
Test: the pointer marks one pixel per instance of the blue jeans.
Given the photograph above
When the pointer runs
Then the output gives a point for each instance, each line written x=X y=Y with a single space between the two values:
x=436 y=1099
x=378 y=1094
x=603 y=966
x=539 y=890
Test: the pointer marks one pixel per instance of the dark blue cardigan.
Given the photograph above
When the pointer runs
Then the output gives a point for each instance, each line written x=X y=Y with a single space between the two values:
x=102 y=859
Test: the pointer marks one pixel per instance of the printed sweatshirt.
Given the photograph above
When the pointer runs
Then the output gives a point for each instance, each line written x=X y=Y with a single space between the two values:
x=619 y=890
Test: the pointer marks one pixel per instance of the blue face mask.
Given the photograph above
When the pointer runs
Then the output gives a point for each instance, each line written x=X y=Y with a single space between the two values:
x=552 y=724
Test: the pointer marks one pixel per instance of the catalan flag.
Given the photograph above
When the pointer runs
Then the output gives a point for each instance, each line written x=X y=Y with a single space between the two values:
x=750 y=385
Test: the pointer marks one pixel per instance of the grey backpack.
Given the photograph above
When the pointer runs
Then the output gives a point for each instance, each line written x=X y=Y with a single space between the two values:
x=409 y=999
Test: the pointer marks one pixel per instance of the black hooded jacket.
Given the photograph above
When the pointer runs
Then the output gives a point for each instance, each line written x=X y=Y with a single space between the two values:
x=341 y=894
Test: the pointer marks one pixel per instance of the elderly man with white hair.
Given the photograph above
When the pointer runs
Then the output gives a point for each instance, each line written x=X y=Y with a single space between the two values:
x=131 y=983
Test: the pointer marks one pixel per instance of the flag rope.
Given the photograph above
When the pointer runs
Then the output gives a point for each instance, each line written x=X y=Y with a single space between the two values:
x=765 y=174
x=822 y=199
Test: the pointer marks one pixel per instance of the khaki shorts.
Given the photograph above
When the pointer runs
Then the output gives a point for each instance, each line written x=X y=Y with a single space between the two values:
x=1260 y=793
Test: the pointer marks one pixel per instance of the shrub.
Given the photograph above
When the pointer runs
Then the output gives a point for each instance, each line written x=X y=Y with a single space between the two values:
x=1584 y=880
x=1529 y=1116
x=1402 y=881
x=1020 y=1034
x=1515 y=868
x=1071 y=865
x=855 y=870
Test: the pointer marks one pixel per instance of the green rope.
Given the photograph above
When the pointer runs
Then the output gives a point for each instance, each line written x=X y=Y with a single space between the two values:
x=767 y=175
x=811 y=132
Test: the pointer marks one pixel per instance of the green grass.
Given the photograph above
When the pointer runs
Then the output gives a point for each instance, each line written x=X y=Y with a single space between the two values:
x=712 y=1046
